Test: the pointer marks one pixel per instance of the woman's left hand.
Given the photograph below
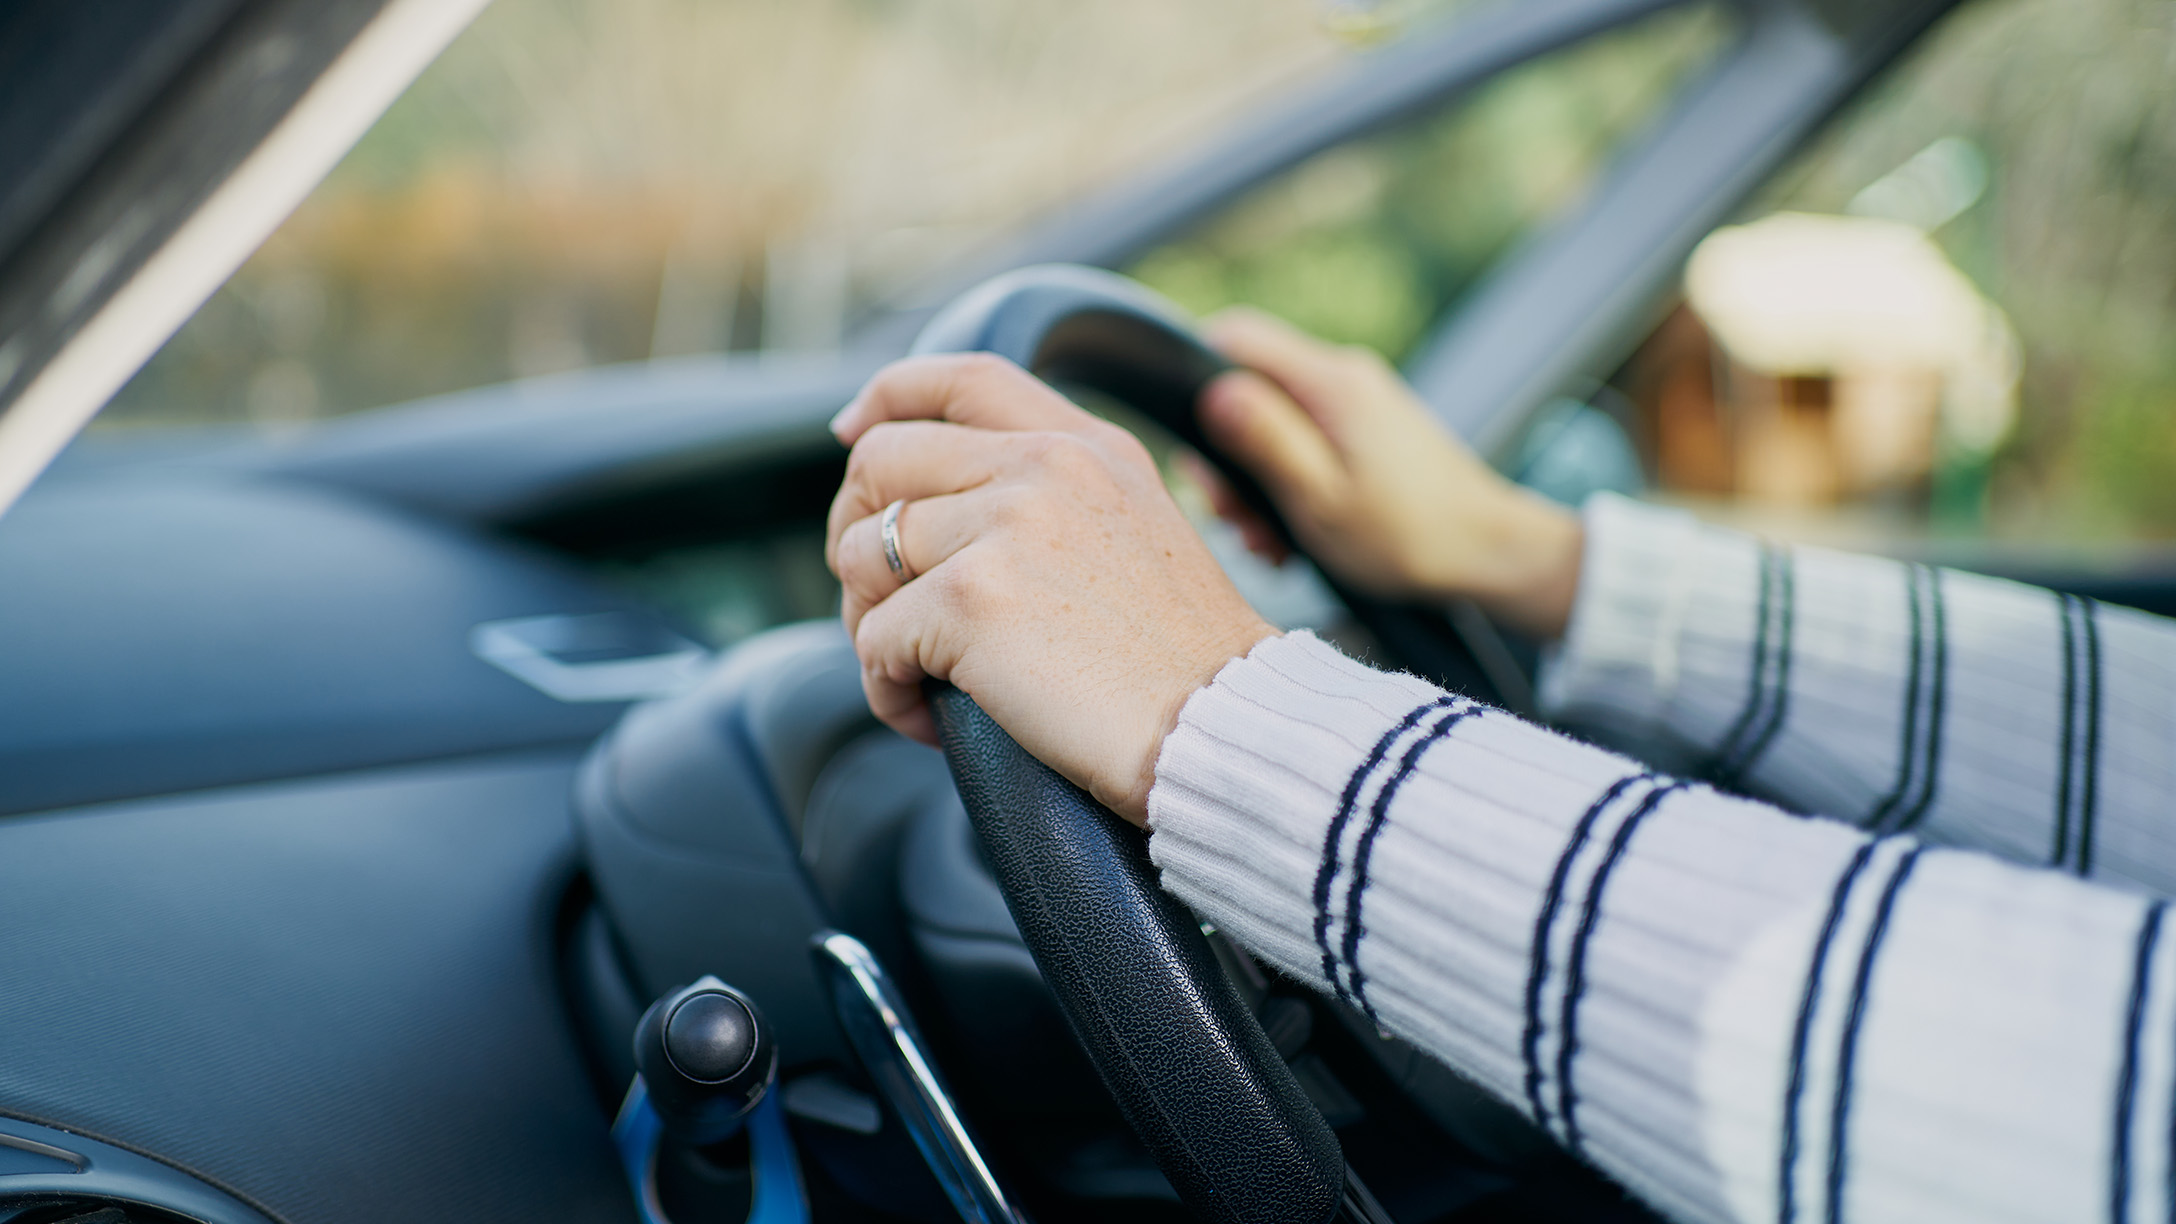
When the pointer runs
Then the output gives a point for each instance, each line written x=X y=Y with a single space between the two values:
x=1048 y=573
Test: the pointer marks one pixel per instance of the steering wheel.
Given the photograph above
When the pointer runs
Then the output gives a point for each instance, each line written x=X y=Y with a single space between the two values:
x=1184 y=1057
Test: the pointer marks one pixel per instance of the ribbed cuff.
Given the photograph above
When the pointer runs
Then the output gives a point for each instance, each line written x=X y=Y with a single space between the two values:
x=1250 y=778
x=1647 y=572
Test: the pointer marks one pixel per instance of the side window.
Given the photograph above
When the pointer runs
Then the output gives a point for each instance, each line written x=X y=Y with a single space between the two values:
x=1954 y=313
x=1373 y=241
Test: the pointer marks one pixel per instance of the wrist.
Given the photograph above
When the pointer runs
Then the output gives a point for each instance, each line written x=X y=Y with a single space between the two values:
x=1131 y=800
x=1528 y=576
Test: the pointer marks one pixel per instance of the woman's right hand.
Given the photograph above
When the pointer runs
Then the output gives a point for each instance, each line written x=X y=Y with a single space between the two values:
x=1374 y=487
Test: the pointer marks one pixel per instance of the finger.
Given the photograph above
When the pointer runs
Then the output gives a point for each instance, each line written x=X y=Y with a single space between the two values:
x=1218 y=490
x=928 y=531
x=965 y=388
x=1317 y=374
x=910 y=460
x=1265 y=431
x=1223 y=498
x=900 y=706
x=901 y=642
x=1264 y=542
x=1255 y=532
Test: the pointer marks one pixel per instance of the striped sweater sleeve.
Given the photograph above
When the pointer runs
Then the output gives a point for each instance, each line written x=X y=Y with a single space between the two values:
x=1742 y=1014
x=1900 y=698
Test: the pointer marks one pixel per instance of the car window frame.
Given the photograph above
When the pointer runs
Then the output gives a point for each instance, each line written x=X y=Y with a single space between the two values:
x=1512 y=344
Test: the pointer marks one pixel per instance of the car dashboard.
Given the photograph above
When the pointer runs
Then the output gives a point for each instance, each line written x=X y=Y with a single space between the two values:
x=320 y=897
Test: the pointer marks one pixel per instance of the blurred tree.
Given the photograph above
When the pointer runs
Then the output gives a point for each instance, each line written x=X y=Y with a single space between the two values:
x=1373 y=241
x=2071 y=104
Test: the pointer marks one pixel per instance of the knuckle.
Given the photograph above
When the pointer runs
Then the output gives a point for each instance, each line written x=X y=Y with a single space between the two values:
x=878 y=449
x=984 y=369
x=1112 y=436
x=873 y=642
x=858 y=569
x=959 y=582
x=882 y=440
x=864 y=455
x=1128 y=448
x=1033 y=450
x=894 y=370
x=1013 y=505
x=974 y=587
x=1067 y=455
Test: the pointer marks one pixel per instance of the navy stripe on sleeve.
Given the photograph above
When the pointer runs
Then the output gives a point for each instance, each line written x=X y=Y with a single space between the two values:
x=1769 y=694
x=1756 y=682
x=1907 y=757
x=1537 y=968
x=2119 y=1173
x=1795 y=1086
x=1839 y=1131
x=2067 y=742
x=2088 y=801
x=1364 y=852
x=2077 y=770
x=1930 y=770
x=1575 y=961
x=1326 y=874
x=1919 y=745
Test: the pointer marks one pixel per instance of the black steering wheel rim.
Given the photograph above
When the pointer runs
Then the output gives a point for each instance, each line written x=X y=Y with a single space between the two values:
x=1087 y=327
x=1180 y=1051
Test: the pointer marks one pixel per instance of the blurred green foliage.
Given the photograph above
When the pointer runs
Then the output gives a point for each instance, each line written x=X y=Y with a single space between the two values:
x=2121 y=458
x=2073 y=105
x=1371 y=242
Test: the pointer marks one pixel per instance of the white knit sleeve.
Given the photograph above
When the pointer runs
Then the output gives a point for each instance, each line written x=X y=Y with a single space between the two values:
x=1967 y=710
x=1741 y=1014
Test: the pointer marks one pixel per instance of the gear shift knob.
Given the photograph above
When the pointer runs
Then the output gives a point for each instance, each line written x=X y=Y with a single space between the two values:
x=707 y=1059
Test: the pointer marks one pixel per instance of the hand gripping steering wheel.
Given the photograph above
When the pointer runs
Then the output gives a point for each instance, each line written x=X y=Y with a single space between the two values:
x=1186 y=1060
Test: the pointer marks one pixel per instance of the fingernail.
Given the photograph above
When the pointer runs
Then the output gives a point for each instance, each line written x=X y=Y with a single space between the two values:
x=839 y=420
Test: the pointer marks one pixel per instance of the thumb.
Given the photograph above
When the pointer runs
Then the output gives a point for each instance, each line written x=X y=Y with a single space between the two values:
x=1320 y=377
x=1266 y=432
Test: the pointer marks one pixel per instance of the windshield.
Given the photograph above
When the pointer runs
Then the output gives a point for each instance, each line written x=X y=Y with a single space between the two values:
x=580 y=182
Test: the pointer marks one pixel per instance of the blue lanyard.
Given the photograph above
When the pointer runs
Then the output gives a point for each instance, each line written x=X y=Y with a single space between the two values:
x=777 y=1197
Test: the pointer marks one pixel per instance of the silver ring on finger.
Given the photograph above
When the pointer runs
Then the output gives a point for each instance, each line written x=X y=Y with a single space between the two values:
x=888 y=529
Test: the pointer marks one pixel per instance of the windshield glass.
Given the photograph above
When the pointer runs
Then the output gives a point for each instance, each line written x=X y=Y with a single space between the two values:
x=578 y=182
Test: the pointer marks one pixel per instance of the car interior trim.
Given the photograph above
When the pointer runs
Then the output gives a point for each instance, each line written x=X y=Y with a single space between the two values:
x=52 y=403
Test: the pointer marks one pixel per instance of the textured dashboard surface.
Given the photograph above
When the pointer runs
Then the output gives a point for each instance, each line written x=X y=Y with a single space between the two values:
x=334 y=998
x=164 y=634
